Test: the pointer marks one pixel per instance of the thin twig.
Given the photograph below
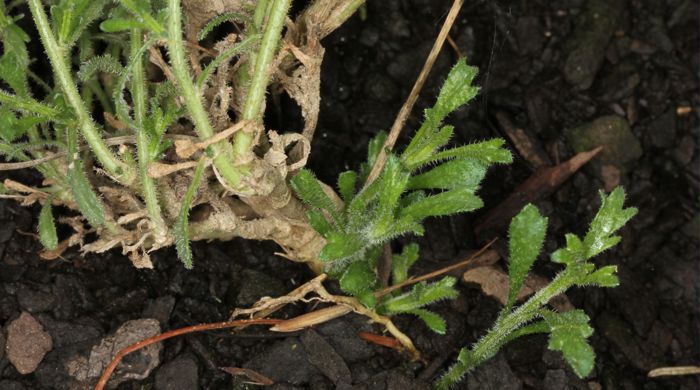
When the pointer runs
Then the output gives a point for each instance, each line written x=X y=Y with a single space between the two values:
x=433 y=274
x=113 y=141
x=411 y=101
x=674 y=371
x=173 y=333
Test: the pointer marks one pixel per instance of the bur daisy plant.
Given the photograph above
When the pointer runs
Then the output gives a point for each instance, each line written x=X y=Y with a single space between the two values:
x=151 y=110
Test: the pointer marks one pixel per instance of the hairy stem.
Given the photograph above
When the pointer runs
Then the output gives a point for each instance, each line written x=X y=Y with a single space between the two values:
x=222 y=150
x=489 y=345
x=256 y=90
x=62 y=73
x=138 y=95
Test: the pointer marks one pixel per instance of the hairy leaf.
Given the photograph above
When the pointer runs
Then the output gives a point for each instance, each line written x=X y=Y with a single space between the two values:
x=104 y=63
x=568 y=334
x=220 y=19
x=181 y=228
x=226 y=55
x=358 y=278
x=401 y=263
x=421 y=295
x=319 y=222
x=347 y=182
x=341 y=245
x=309 y=190
x=47 y=227
x=420 y=152
x=526 y=232
x=610 y=218
x=392 y=183
x=445 y=203
x=461 y=173
x=87 y=200
x=113 y=25
x=432 y=320
x=572 y=253
x=14 y=62
x=603 y=277
x=487 y=152
x=27 y=105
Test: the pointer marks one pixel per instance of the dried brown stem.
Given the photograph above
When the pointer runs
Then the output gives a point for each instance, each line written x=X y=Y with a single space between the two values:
x=413 y=96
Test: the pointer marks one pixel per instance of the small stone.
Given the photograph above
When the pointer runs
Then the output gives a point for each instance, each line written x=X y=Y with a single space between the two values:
x=621 y=147
x=381 y=88
x=7 y=384
x=256 y=285
x=555 y=380
x=179 y=374
x=494 y=374
x=662 y=130
x=27 y=343
x=325 y=358
x=587 y=46
x=34 y=300
x=528 y=31
x=160 y=309
x=617 y=332
x=683 y=153
x=137 y=365
x=285 y=361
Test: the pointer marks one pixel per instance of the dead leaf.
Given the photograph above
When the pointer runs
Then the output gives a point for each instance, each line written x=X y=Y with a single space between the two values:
x=27 y=343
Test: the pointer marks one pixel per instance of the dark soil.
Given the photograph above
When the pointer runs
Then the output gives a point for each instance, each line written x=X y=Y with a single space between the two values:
x=648 y=70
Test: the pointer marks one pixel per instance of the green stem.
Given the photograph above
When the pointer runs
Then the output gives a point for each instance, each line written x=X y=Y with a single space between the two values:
x=138 y=95
x=255 y=96
x=222 y=150
x=504 y=328
x=62 y=72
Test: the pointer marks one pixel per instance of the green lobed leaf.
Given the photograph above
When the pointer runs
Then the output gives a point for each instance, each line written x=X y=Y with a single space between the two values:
x=432 y=320
x=104 y=63
x=603 y=277
x=85 y=197
x=445 y=203
x=392 y=183
x=308 y=189
x=460 y=173
x=14 y=62
x=455 y=92
x=421 y=295
x=568 y=334
x=526 y=236
x=421 y=150
x=487 y=152
x=572 y=253
x=319 y=222
x=358 y=278
x=401 y=263
x=347 y=182
x=47 y=226
x=340 y=246
x=610 y=218
x=181 y=227
x=114 y=25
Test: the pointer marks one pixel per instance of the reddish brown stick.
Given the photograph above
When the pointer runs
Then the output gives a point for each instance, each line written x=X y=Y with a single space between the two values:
x=173 y=333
